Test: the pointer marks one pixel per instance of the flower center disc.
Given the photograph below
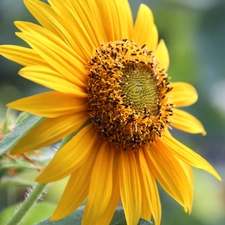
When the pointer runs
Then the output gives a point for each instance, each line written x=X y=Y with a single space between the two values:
x=127 y=94
x=140 y=88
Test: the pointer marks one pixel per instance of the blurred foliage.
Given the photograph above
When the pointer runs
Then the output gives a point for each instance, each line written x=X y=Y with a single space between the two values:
x=194 y=32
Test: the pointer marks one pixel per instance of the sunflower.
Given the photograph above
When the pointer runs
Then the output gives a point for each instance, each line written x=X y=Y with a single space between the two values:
x=110 y=84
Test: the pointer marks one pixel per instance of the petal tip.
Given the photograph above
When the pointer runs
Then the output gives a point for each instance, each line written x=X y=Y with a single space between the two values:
x=204 y=133
x=54 y=217
x=41 y=179
x=217 y=176
x=162 y=55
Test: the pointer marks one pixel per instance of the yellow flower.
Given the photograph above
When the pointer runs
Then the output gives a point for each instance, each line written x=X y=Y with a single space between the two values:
x=111 y=73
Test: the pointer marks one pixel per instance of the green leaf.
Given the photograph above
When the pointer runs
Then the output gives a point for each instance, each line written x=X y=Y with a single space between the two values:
x=39 y=212
x=76 y=218
x=144 y=222
x=118 y=217
x=12 y=138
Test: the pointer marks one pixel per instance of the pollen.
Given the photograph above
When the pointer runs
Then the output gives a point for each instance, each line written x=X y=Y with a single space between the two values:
x=128 y=98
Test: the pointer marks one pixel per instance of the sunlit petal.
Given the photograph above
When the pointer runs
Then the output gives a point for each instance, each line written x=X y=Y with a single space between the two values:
x=106 y=217
x=186 y=122
x=150 y=188
x=54 y=52
x=51 y=79
x=162 y=55
x=79 y=183
x=42 y=104
x=170 y=175
x=145 y=32
x=183 y=94
x=130 y=187
x=187 y=155
x=70 y=157
x=101 y=182
x=21 y=55
x=49 y=132
x=119 y=22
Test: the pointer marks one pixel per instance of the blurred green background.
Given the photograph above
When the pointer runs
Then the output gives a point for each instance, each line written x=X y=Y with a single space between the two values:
x=194 y=32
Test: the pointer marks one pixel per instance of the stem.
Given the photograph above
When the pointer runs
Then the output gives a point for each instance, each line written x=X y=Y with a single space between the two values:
x=27 y=204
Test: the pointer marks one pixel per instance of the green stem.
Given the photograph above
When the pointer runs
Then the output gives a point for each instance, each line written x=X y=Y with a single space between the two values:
x=27 y=204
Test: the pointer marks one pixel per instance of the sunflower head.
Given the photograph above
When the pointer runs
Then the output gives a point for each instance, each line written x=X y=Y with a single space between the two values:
x=128 y=94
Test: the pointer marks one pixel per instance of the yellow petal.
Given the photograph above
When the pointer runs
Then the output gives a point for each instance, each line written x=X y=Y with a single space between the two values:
x=186 y=122
x=187 y=155
x=183 y=94
x=180 y=171
x=84 y=14
x=77 y=188
x=49 y=132
x=125 y=18
x=28 y=27
x=146 y=213
x=170 y=174
x=130 y=189
x=118 y=24
x=73 y=15
x=49 y=78
x=106 y=217
x=150 y=189
x=79 y=20
x=95 y=16
x=74 y=194
x=188 y=170
x=145 y=32
x=46 y=16
x=61 y=19
x=50 y=37
x=50 y=104
x=153 y=41
x=101 y=185
x=162 y=55
x=54 y=52
x=70 y=157
x=21 y=55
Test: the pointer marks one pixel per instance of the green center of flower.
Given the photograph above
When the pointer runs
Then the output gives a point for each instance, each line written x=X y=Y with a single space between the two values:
x=140 y=88
x=127 y=94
